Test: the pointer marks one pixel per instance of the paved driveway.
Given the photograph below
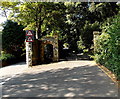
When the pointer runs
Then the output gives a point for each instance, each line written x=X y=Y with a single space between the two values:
x=62 y=79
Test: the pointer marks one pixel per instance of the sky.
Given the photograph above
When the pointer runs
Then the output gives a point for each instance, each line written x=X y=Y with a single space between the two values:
x=2 y=19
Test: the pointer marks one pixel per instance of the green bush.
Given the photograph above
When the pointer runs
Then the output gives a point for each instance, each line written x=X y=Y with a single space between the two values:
x=108 y=46
x=80 y=44
x=6 y=56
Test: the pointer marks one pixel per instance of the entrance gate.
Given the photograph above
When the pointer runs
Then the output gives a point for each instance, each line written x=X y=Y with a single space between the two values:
x=36 y=54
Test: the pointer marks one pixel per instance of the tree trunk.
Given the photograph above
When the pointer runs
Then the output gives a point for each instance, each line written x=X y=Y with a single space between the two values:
x=38 y=22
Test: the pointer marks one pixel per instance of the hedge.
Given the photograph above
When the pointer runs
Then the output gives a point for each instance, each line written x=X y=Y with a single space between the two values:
x=108 y=47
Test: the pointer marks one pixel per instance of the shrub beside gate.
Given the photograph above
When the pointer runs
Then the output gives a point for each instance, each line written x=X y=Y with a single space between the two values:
x=108 y=47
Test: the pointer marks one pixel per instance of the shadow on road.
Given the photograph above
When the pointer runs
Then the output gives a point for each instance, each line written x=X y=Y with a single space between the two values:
x=83 y=81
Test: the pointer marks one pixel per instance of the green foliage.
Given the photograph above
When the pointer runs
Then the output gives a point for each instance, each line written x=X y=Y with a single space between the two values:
x=85 y=50
x=84 y=18
x=102 y=11
x=71 y=19
x=80 y=44
x=6 y=56
x=87 y=33
x=108 y=46
x=13 y=38
x=42 y=17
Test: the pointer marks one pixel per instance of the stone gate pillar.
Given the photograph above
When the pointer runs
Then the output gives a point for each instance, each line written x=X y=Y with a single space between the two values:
x=95 y=36
x=29 y=54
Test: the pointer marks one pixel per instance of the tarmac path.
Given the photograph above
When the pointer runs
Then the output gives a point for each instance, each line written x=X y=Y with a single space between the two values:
x=80 y=78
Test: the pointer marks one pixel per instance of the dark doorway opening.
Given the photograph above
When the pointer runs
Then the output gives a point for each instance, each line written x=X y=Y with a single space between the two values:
x=48 y=53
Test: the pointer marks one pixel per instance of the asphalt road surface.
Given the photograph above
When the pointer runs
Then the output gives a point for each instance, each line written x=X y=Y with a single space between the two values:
x=61 y=79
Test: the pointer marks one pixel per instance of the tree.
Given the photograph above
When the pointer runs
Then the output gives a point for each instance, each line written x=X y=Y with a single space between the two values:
x=7 y=7
x=102 y=11
x=84 y=18
x=13 y=38
x=77 y=15
x=43 y=17
x=69 y=20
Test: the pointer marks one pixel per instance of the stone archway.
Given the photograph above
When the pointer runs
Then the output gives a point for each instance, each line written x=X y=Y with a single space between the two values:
x=54 y=42
x=35 y=50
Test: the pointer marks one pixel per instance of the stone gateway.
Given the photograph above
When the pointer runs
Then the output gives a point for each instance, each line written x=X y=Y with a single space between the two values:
x=42 y=51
